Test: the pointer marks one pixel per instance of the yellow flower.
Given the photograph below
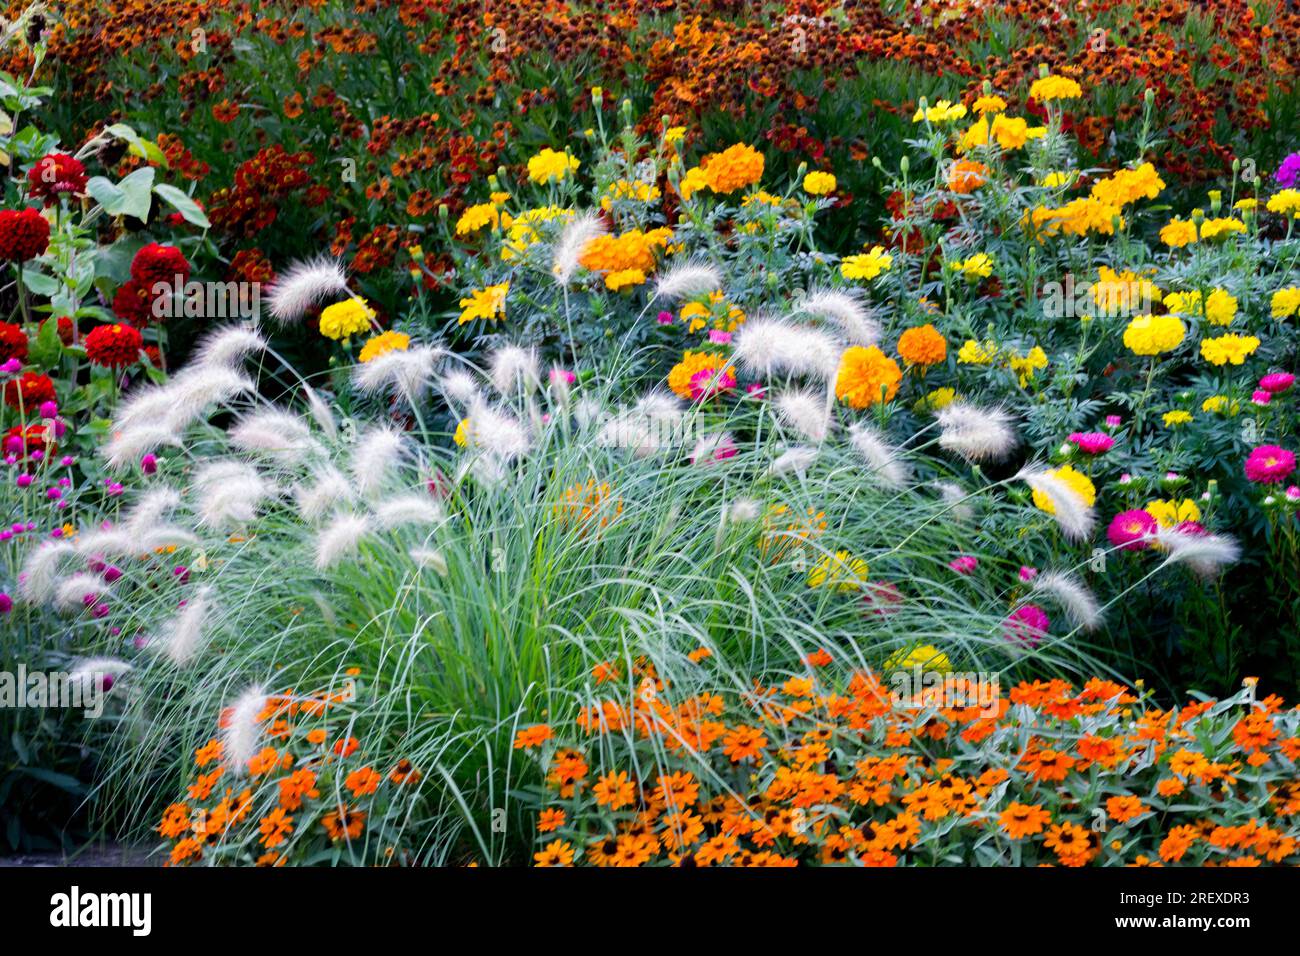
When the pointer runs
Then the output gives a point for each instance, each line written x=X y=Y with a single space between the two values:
x=1220 y=307
x=1055 y=179
x=866 y=376
x=475 y=218
x=1125 y=186
x=866 y=265
x=1228 y=348
x=840 y=571
x=1285 y=302
x=692 y=363
x=935 y=400
x=734 y=168
x=978 y=266
x=1073 y=479
x=924 y=656
x=461 y=437
x=973 y=353
x=635 y=190
x=382 y=344
x=1026 y=366
x=342 y=320
x=674 y=135
x=487 y=304
x=548 y=166
x=633 y=249
x=989 y=104
x=1171 y=512
x=1012 y=132
x=624 y=278
x=1218 y=228
x=1048 y=88
x=1176 y=418
x=819 y=183
x=1178 y=232
x=1285 y=203
x=692 y=182
x=941 y=112
x=1219 y=404
x=1087 y=214
x=1116 y=293
x=1154 y=334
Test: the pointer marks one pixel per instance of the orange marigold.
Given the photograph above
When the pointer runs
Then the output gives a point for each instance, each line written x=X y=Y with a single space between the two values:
x=866 y=376
x=734 y=168
x=966 y=176
x=922 y=345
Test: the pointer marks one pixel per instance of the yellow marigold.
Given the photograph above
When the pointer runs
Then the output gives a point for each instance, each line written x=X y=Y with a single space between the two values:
x=819 y=184
x=522 y=232
x=966 y=175
x=632 y=190
x=1073 y=479
x=476 y=217
x=1171 y=512
x=783 y=530
x=548 y=166
x=1228 y=348
x=989 y=104
x=922 y=345
x=1220 y=404
x=1088 y=214
x=1125 y=186
x=1026 y=365
x=1048 y=88
x=674 y=134
x=1012 y=132
x=935 y=400
x=943 y=111
x=866 y=265
x=925 y=656
x=866 y=376
x=1285 y=302
x=692 y=363
x=1176 y=418
x=487 y=304
x=1221 y=228
x=630 y=250
x=1054 y=179
x=382 y=344
x=840 y=571
x=342 y=320
x=461 y=437
x=1285 y=203
x=588 y=505
x=975 y=353
x=624 y=278
x=1220 y=307
x=692 y=182
x=1177 y=233
x=1116 y=293
x=978 y=266
x=736 y=167
x=1154 y=334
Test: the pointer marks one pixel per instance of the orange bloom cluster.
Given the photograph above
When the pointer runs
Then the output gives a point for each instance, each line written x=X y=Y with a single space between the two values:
x=825 y=771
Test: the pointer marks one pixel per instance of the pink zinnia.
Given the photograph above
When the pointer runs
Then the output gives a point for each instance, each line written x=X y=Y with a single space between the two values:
x=1092 y=443
x=1261 y=397
x=964 y=565
x=1027 y=625
x=1113 y=421
x=1277 y=382
x=1129 y=530
x=1027 y=573
x=1269 y=464
x=708 y=382
x=719 y=337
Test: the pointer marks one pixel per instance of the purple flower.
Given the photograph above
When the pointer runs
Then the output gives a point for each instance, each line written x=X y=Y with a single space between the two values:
x=1027 y=625
x=1288 y=174
x=11 y=366
x=49 y=409
x=1027 y=573
x=664 y=318
x=1277 y=382
x=6 y=603
x=1113 y=421
x=1092 y=443
x=1269 y=464
x=1261 y=397
x=149 y=464
x=112 y=573
x=23 y=481
x=181 y=573
x=719 y=337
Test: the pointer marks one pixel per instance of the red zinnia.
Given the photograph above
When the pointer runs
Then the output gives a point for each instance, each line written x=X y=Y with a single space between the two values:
x=29 y=391
x=56 y=173
x=113 y=346
x=13 y=342
x=24 y=234
x=156 y=263
x=133 y=304
x=67 y=331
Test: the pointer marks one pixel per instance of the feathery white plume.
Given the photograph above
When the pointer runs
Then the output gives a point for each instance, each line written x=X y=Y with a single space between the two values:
x=709 y=447
x=512 y=369
x=497 y=432
x=744 y=510
x=1072 y=512
x=112 y=542
x=329 y=488
x=375 y=455
x=880 y=456
x=274 y=432
x=128 y=446
x=430 y=558
x=587 y=411
x=805 y=412
x=303 y=285
x=228 y=345
x=573 y=239
x=846 y=311
x=630 y=431
x=408 y=371
x=186 y=631
x=229 y=493
x=147 y=406
x=459 y=386
x=199 y=387
x=956 y=498
x=1203 y=553
x=97 y=673
x=407 y=510
x=163 y=536
x=660 y=406
x=486 y=469
x=241 y=734
x=976 y=433
x=79 y=591
x=320 y=412
x=688 y=279
x=1073 y=596
x=340 y=538
x=797 y=460
x=151 y=507
x=769 y=347
x=41 y=571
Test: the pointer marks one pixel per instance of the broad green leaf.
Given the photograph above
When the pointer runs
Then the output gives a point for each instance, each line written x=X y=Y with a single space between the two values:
x=183 y=204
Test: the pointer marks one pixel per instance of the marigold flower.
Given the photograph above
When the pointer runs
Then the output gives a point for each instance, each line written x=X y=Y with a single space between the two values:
x=342 y=320
x=1048 y=88
x=1228 y=349
x=1177 y=233
x=967 y=175
x=818 y=183
x=549 y=166
x=922 y=345
x=684 y=373
x=736 y=167
x=382 y=344
x=866 y=265
x=840 y=571
x=488 y=304
x=1154 y=334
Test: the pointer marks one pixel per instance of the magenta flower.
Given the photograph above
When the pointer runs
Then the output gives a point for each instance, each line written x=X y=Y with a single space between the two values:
x=1261 y=397
x=149 y=464
x=756 y=390
x=1092 y=443
x=1269 y=464
x=1113 y=421
x=49 y=410
x=1027 y=625
x=964 y=564
x=719 y=337
x=708 y=382
x=882 y=598
x=1027 y=573
x=1277 y=382
x=562 y=376
x=10 y=366
x=1288 y=174
x=664 y=318
x=6 y=603
x=1130 y=530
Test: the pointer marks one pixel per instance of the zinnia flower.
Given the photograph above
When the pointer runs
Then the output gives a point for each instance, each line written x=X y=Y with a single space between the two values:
x=1092 y=443
x=24 y=234
x=30 y=390
x=1131 y=530
x=1269 y=464
x=1026 y=625
x=56 y=173
x=156 y=263
x=113 y=346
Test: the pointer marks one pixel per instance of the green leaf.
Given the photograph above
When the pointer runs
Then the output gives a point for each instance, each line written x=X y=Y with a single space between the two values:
x=41 y=284
x=183 y=204
x=138 y=145
x=46 y=348
x=130 y=197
